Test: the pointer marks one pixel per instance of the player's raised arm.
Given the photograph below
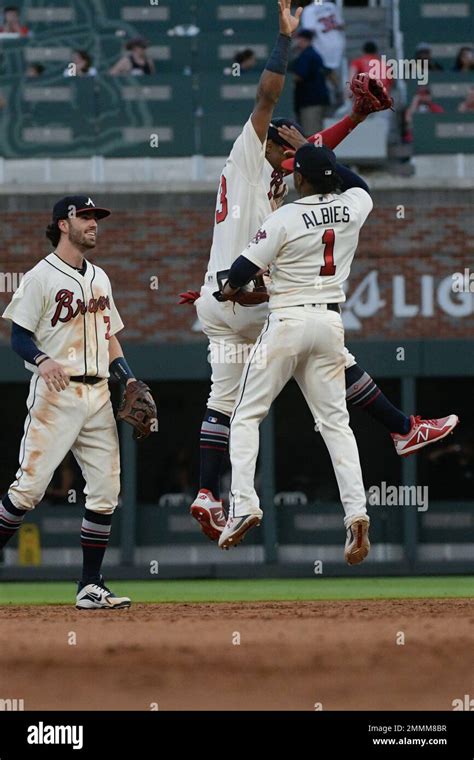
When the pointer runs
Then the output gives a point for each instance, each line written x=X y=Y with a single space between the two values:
x=272 y=80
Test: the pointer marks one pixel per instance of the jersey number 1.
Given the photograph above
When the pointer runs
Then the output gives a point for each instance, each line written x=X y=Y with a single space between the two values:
x=328 y=268
x=221 y=213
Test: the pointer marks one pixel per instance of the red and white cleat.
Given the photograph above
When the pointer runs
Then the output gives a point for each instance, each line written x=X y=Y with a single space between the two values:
x=422 y=433
x=209 y=513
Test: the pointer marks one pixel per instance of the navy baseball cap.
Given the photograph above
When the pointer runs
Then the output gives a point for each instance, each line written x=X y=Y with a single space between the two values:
x=273 y=130
x=313 y=163
x=72 y=205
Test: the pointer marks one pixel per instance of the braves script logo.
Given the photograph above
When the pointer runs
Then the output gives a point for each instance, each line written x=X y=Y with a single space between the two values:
x=275 y=184
x=261 y=235
x=65 y=310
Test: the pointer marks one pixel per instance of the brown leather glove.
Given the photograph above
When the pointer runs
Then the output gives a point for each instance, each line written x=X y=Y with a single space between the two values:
x=369 y=95
x=138 y=409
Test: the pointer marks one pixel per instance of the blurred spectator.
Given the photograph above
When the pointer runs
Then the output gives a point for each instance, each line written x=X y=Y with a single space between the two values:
x=467 y=106
x=423 y=53
x=325 y=20
x=369 y=63
x=464 y=60
x=34 y=70
x=82 y=65
x=422 y=102
x=311 y=95
x=135 y=62
x=12 y=23
x=246 y=59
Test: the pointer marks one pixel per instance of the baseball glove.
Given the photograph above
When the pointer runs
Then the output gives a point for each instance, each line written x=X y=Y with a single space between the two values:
x=138 y=409
x=254 y=297
x=369 y=95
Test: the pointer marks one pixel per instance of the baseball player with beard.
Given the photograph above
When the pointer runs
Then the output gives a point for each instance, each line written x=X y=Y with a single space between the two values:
x=64 y=326
x=251 y=187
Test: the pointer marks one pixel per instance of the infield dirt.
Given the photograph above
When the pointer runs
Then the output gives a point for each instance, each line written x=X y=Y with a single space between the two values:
x=291 y=655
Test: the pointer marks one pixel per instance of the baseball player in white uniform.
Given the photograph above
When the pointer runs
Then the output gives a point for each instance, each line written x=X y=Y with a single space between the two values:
x=325 y=19
x=64 y=323
x=310 y=245
x=251 y=186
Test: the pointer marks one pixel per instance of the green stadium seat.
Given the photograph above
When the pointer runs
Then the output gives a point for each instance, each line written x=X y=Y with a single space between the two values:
x=448 y=89
x=170 y=54
x=12 y=56
x=222 y=15
x=216 y=51
x=131 y=110
x=54 y=119
x=148 y=19
x=438 y=23
x=226 y=106
x=443 y=133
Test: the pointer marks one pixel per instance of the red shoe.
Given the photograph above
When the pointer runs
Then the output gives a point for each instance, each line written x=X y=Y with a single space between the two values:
x=209 y=513
x=422 y=433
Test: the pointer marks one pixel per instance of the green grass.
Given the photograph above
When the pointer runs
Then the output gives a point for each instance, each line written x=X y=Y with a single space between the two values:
x=285 y=589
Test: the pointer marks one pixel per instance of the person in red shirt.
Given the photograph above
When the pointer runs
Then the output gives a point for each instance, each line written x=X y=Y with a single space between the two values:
x=422 y=102
x=12 y=23
x=370 y=63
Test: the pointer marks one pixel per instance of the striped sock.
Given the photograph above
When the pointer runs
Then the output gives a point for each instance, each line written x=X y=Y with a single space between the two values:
x=10 y=520
x=214 y=445
x=363 y=392
x=95 y=534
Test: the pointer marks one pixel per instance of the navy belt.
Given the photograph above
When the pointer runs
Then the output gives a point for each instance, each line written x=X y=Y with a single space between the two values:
x=86 y=379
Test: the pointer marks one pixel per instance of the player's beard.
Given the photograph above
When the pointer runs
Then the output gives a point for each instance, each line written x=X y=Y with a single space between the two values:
x=81 y=240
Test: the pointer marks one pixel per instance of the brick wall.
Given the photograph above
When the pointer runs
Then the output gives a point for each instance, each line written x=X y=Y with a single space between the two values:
x=400 y=284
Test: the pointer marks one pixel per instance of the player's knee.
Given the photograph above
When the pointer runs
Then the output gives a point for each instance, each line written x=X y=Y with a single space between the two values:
x=225 y=405
x=104 y=498
x=25 y=499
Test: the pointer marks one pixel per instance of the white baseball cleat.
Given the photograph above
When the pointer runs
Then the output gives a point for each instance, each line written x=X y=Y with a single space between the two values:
x=209 y=513
x=422 y=433
x=237 y=527
x=357 y=541
x=95 y=596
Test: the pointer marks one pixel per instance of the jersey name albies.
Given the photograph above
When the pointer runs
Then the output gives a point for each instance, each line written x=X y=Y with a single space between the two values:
x=310 y=245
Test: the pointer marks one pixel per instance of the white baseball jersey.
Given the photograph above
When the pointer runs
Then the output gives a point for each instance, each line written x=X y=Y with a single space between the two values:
x=310 y=244
x=249 y=190
x=71 y=316
x=324 y=18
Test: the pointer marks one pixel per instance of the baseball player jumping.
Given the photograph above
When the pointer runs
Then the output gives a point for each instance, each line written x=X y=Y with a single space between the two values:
x=310 y=245
x=64 y=323
x=251 y=187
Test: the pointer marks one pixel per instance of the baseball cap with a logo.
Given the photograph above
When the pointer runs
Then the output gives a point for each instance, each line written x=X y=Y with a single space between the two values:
x=72 y=205
x=313 y=163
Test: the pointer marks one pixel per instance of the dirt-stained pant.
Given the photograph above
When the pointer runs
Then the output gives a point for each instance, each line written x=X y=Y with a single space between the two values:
x=307 y=343
x=232 y=331
x=78 y=419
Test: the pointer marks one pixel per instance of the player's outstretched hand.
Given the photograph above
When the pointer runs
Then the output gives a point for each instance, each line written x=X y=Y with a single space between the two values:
x=53 y=375
x=292 y=136
x=288 y=23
